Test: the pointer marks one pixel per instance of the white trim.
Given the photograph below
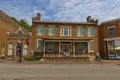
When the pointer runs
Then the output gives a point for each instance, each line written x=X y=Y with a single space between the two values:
x=20 y=29
x=38 y=26
x=25 y=51
x=116 y=38
x=111 y=27
x=62 y=30
x=80 y=27
x=51 y=26
x=10 y=49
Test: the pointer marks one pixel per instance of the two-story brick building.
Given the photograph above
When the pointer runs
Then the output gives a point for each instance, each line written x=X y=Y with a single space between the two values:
x=110 y=39
x=65 y=39
x=13 y=37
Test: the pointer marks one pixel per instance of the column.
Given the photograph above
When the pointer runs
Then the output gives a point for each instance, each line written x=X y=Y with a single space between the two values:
x=44 y=49
x=59 y=48
x=74 y=49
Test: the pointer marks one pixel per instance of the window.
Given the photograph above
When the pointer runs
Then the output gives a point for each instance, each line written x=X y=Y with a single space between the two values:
x=80 y=47
x=90 y=31
x=66 y=31
x=79 y=31
x=111 y=31
x=51 y=30
x=39 y=45
x=10 y=48
x=40 y=29
x=90 y=46
x=50 y=47
x=25 y=49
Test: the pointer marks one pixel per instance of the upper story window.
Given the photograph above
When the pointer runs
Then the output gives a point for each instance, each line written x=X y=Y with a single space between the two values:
x=79 y=31
x=111 y=31
x=65 y=31
x=52 y=30
x=40 y=29
x=90 y=31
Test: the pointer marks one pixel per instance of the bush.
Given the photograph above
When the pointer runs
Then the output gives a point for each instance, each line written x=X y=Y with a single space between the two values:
x=32 y=58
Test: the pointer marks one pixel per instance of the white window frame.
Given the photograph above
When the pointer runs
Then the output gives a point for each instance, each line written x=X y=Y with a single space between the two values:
x=91 y=42
x=37 y=45
x=25 y=49
x=79 y=27
x=62 y=30
x=91 y=27
x=38 y=31
x=10 y=48
x=53 y=27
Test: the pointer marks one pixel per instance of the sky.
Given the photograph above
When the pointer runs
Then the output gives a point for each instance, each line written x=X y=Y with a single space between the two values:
x=62 y=10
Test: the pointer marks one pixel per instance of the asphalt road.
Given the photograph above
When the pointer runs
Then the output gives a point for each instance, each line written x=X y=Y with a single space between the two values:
x=10 y=71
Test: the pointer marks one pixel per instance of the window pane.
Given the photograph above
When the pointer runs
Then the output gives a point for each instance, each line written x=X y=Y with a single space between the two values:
x=40 y=45
x=10 y=49
x=50 y=47
x=66 y=31
x=90 y=45
x=79 y=31
x=51 y=30
x=40 y=29
x=25 y=49
x=111 y=32
x=90 y=31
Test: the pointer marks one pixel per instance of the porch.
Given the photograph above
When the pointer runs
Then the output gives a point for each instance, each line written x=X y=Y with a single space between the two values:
x=75 y=50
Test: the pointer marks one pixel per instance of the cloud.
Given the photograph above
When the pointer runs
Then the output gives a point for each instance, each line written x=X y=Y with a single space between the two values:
x=65 y=10
x=78 y=10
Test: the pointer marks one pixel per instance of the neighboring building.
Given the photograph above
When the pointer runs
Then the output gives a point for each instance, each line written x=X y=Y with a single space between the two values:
x=13 y=37
x=110 y=39
x=64 y=39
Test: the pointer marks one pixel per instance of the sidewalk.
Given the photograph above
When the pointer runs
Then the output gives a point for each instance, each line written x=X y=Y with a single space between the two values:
x=44 y=62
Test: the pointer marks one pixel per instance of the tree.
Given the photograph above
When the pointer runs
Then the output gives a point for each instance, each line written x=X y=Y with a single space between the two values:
x=23 y=23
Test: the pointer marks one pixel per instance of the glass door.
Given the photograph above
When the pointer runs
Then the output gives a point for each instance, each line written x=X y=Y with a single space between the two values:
x=111 y=49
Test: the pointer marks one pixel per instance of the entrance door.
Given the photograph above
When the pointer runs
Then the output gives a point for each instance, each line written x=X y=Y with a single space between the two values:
x=66 y=48
x=111 y=49
x=19 y=49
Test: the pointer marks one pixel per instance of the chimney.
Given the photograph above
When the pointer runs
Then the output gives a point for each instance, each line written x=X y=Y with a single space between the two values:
x=37 y=17
x=88 y=18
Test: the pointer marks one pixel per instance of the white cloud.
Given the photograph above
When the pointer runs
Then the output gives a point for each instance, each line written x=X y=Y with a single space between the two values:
x=78 y=10
x=66 y=10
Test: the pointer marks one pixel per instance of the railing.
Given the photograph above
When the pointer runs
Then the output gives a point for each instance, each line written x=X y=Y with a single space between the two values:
x=66 y=55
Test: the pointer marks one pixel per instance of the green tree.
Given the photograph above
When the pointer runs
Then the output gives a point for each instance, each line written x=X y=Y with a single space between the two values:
x=23 y=23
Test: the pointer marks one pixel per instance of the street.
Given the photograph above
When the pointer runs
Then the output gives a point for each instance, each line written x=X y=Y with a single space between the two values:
x=21 y=71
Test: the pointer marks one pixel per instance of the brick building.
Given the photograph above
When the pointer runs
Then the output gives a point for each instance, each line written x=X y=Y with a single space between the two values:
x=110 y=39
x=59 y=39
x=13 y=37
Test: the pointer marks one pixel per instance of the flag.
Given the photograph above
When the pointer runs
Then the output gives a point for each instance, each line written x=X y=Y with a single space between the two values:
x=28 y=41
